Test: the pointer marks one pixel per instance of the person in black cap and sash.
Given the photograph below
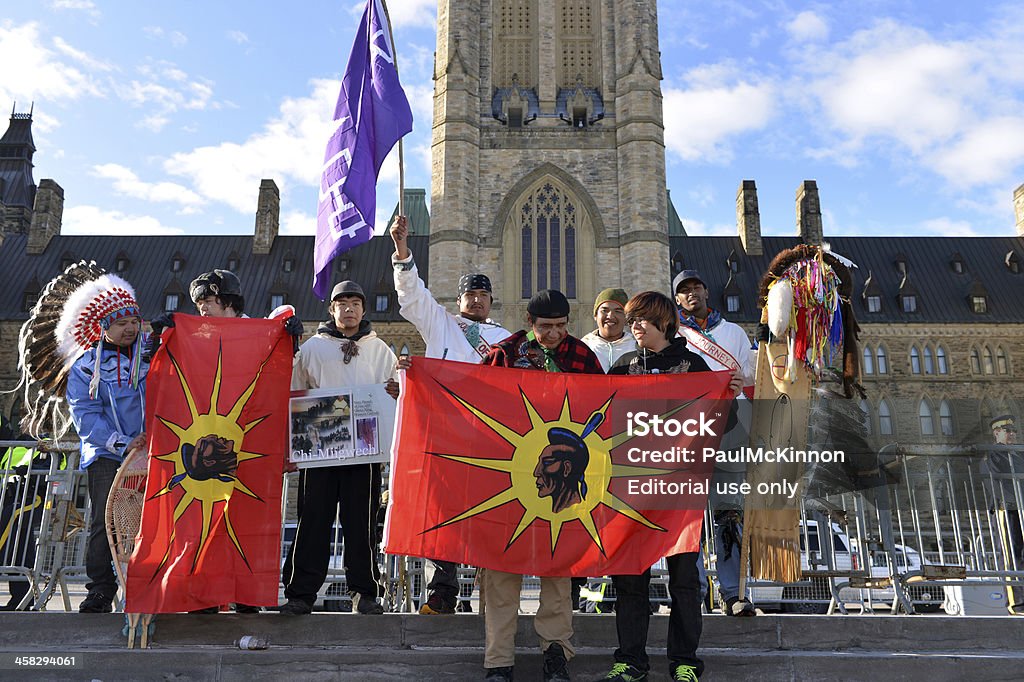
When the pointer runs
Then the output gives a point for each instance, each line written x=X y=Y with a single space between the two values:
x=466 y=337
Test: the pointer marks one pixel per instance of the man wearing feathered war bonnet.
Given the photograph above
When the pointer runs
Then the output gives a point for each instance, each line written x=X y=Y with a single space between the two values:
x=99 y=333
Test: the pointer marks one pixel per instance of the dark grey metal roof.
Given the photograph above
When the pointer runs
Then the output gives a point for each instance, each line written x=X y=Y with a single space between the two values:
x=149 y=269
x=943 y=295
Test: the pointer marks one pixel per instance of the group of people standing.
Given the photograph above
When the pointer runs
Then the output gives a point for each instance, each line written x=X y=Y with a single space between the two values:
x=646 y=334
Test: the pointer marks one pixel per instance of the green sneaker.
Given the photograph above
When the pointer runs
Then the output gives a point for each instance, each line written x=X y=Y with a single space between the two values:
x=685 y=673
x=624 y=672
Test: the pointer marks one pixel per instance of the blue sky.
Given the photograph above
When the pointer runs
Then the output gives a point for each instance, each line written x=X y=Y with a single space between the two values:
x=163 y=117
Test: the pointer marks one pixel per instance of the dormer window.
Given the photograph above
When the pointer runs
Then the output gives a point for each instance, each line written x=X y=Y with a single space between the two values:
x=233 y=263
x=288 y=265
x=29 y=301
x=121 y=262
x=677 y=263
x=874 y=304
x=901 y=265
x=170 y=303
x=342 y=264
x=979 y=304
x=732 y=303
x=277 y=300
x=909 y=302
x=66 y=261
x=381 y=303
x=177 y=263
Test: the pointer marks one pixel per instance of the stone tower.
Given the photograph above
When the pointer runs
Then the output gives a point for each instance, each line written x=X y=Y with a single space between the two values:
x=548 y=150
x=17 y=188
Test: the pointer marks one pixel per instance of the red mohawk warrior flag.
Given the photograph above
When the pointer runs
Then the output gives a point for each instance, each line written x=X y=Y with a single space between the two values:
x=216 y=420
x=552 y=474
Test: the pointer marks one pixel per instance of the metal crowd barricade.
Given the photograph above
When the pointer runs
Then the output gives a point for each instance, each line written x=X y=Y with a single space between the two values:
x=42 y=530
x=945 y=535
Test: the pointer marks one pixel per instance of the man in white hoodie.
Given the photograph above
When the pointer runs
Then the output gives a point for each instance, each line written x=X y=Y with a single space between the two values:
x=466 y=337
x=610 y=341
x=345 y=351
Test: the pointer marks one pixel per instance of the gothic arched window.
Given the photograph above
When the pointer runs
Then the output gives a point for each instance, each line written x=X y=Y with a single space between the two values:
x=869 y=360
x=924 y=415
x=884 y=418
x=941 y=362
x=945 y=418
x=915 y=360
x=549 y=223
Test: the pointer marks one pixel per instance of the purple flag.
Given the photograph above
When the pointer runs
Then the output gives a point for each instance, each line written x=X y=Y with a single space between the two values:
x=371 y=115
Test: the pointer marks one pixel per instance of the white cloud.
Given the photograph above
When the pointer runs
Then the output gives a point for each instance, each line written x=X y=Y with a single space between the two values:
x=125 y=181
x=289 y=148
x=176 y=38
x=987 y=153
x=237 y=36
x=297 y=223
x=163 y=90
x=82 y=58
x=951 y=106
x=946 y=227
x=92 y=220
x=808 y=27
x=407 y=12
x=697 y=228
x=84 y=5
x=41 y=74
x=716 y=106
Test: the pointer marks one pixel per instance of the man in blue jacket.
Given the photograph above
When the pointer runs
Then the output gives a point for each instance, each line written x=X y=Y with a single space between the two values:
x=100 y=330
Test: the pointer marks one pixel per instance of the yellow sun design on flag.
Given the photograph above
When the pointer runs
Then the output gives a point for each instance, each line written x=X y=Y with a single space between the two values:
x=211 y=490
x=523 y=487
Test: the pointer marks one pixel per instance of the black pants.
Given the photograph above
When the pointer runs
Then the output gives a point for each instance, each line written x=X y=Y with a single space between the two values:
x=99 y=565
x=353 y=492
x=633 y=614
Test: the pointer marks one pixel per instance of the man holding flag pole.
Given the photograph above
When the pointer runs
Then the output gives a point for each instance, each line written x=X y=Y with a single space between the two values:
x=371 y=115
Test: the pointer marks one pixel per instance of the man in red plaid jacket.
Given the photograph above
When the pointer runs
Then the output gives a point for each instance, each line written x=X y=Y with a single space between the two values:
x=546 y=346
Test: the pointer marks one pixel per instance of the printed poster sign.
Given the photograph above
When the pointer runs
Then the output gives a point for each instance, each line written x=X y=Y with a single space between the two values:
x=335 y=426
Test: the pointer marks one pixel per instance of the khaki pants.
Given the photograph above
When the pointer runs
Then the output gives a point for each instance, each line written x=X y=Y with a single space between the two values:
x=553 y=622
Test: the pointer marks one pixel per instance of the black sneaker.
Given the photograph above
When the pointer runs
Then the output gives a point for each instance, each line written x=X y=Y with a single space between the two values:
x=741 y=608
x=624 y=672
x=499 y=674
x=465 y=606
x=245 y=608
x=96 y=602
x=365 y=604
x=555 y=669
x=437 y=605
x=685 y=673
x=296 y=607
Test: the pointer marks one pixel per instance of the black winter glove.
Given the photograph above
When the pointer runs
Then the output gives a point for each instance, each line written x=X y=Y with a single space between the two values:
x=761 y=333
x=293 y=325
x=159 y=324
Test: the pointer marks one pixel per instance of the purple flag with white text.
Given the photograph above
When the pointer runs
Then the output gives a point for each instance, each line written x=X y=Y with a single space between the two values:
x=371 y=115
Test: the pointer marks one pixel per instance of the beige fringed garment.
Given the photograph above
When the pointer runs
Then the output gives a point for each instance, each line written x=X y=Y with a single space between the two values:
x=771 y=523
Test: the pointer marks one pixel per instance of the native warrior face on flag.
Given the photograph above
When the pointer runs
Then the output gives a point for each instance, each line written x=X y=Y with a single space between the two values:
x=543 y=477
x=210 y=457
x=562 y=465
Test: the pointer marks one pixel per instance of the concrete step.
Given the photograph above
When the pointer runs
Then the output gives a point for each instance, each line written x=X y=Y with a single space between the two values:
x=365 y=664
x=403 y=646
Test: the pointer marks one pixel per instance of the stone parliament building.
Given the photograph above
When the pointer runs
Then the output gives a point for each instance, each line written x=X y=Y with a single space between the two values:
x=548 y=162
